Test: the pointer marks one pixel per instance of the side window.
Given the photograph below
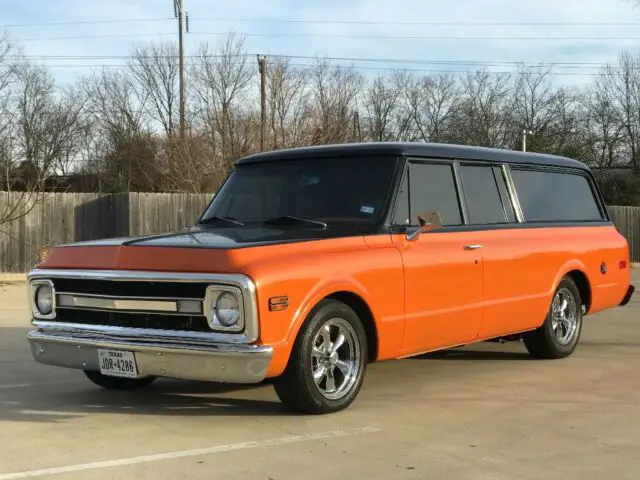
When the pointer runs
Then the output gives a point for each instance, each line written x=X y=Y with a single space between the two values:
x=432 y=187
x=555 y=196
x=486 y=202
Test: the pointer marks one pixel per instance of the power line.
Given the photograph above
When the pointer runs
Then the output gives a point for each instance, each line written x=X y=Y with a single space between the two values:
x=311 y=57
x=344 y=36
x=525 y=63
x=84 y=22
x=446 y=62
x=88 y=37
x=332 y=22
x=418 y=37
x=461 y=64
x=417 y=22
x=470 y=63
x=359 y=67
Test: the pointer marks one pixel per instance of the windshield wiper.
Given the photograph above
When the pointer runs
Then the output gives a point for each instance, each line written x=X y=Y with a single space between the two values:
x=216 y=218
x=290 y=219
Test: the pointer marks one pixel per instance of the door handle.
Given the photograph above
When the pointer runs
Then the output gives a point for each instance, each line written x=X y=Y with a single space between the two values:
x=473 y=246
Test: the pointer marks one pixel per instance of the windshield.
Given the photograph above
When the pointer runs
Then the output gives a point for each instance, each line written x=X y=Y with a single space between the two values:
x=328 y=190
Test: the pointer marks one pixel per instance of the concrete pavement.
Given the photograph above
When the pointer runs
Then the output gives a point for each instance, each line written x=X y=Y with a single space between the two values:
x=485 y=411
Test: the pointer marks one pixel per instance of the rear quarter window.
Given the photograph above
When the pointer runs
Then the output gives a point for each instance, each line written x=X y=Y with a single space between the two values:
x=555 y=196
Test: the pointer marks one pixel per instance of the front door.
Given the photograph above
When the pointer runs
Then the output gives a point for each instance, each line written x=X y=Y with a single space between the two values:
x=443 y=267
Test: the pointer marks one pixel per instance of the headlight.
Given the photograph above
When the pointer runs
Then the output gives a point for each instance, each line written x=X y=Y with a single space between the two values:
x=44 y=299
x=223 y=306
x=227 y=309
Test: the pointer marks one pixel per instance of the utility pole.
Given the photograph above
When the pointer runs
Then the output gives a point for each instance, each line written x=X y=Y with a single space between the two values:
x=262 y=66
x=183 y=18
x=524 y=139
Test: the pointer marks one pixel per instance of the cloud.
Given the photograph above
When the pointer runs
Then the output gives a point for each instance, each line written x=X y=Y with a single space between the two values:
x=449 y=41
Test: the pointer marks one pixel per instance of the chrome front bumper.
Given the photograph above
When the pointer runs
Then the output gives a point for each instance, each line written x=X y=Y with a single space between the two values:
x=200 y=361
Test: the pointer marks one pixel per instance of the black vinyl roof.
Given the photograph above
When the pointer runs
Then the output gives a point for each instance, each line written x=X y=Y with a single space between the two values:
x=435 y=150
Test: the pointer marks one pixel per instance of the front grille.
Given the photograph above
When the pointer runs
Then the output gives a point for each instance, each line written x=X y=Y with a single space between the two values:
x=130 y=289
x=193 y=323
x=187 y=320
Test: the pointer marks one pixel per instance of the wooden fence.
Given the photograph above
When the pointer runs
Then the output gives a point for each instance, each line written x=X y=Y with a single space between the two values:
x=57 y=218
x=67 y=217
x=627 y=220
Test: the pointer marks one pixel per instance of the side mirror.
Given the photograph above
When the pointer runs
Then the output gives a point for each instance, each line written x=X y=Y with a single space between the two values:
x=428 y=221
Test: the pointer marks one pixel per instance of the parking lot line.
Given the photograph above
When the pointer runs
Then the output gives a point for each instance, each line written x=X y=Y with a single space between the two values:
x=187 y=453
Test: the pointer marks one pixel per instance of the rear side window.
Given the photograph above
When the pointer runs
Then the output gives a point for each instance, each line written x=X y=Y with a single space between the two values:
x=555 y=196
x=486 y=195
x=432 y=187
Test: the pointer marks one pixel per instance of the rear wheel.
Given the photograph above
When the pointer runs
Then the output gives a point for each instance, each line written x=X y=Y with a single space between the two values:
x=328 y=361
x=559 y=334
x=117 y=383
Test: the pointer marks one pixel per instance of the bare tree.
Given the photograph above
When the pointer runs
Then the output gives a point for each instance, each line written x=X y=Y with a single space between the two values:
x=429 y=104
x=620 y=85
x=484 y=116
x=222 y=77
x=334 y=93
x=155 y=70
x=119 y=127
x=38 y=139
x=288 y=103
x=605 y=135
x=381 y=104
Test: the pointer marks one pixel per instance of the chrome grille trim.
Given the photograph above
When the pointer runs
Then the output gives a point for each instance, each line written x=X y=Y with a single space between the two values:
x=151 y=305
x=243 y=282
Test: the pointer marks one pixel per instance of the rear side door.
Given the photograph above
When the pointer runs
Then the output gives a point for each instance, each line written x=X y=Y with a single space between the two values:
x=504 y=246
x=443 y=267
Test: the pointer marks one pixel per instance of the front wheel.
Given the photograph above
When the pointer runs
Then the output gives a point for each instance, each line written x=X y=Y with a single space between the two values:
x=117 y=383
x=559 y=334
x=328 y=361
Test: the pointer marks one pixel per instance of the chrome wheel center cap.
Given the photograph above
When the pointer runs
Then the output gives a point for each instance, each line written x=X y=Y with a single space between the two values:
x=333 y=358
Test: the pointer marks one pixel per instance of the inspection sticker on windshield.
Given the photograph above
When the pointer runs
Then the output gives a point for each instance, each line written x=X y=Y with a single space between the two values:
x=365 y=209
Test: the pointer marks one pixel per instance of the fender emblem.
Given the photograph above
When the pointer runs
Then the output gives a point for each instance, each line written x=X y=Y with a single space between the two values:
x=603 y=268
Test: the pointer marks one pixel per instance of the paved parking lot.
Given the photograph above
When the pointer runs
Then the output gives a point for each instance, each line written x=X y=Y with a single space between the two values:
x=482 y=412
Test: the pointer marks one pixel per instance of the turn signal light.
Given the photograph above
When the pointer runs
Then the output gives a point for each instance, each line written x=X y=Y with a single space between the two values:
x=622 y=264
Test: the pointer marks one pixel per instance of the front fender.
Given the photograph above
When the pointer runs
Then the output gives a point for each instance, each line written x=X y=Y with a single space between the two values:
x=282 y=350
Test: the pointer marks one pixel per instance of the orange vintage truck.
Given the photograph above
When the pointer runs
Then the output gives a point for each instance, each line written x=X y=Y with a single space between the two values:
x=310 y=263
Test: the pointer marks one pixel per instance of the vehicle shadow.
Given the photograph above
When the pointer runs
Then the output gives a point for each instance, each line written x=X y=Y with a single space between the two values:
x=31 y=392
x=166 y=397
x=74 y=396
x=77 y=398
x=474 y=355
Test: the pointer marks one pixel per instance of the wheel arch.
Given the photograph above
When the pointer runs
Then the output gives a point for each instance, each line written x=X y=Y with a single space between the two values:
x=584 y=287
x=576 y=270
x=362 y=309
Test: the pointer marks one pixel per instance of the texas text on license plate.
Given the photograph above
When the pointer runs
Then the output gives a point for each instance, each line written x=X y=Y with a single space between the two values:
x=116 y=363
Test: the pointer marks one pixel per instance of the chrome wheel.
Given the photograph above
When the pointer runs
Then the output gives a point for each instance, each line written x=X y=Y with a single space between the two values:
x=336 y=359
x=564 y=316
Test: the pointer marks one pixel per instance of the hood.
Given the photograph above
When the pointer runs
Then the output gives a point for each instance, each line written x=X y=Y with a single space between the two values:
x=221 y=237
x=223 y=249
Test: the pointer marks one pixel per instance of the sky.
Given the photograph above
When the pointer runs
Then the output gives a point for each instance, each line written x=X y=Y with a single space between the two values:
x=576 y=35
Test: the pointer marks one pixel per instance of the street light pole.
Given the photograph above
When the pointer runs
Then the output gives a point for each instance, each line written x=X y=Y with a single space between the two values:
x=524 y=139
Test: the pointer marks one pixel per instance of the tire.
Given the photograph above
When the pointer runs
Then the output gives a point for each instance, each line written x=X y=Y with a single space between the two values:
x=558 y=339
x=117 y=383
x=297 y=388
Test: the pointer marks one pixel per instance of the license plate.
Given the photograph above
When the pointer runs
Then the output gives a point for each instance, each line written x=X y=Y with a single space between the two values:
x=116 y=363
